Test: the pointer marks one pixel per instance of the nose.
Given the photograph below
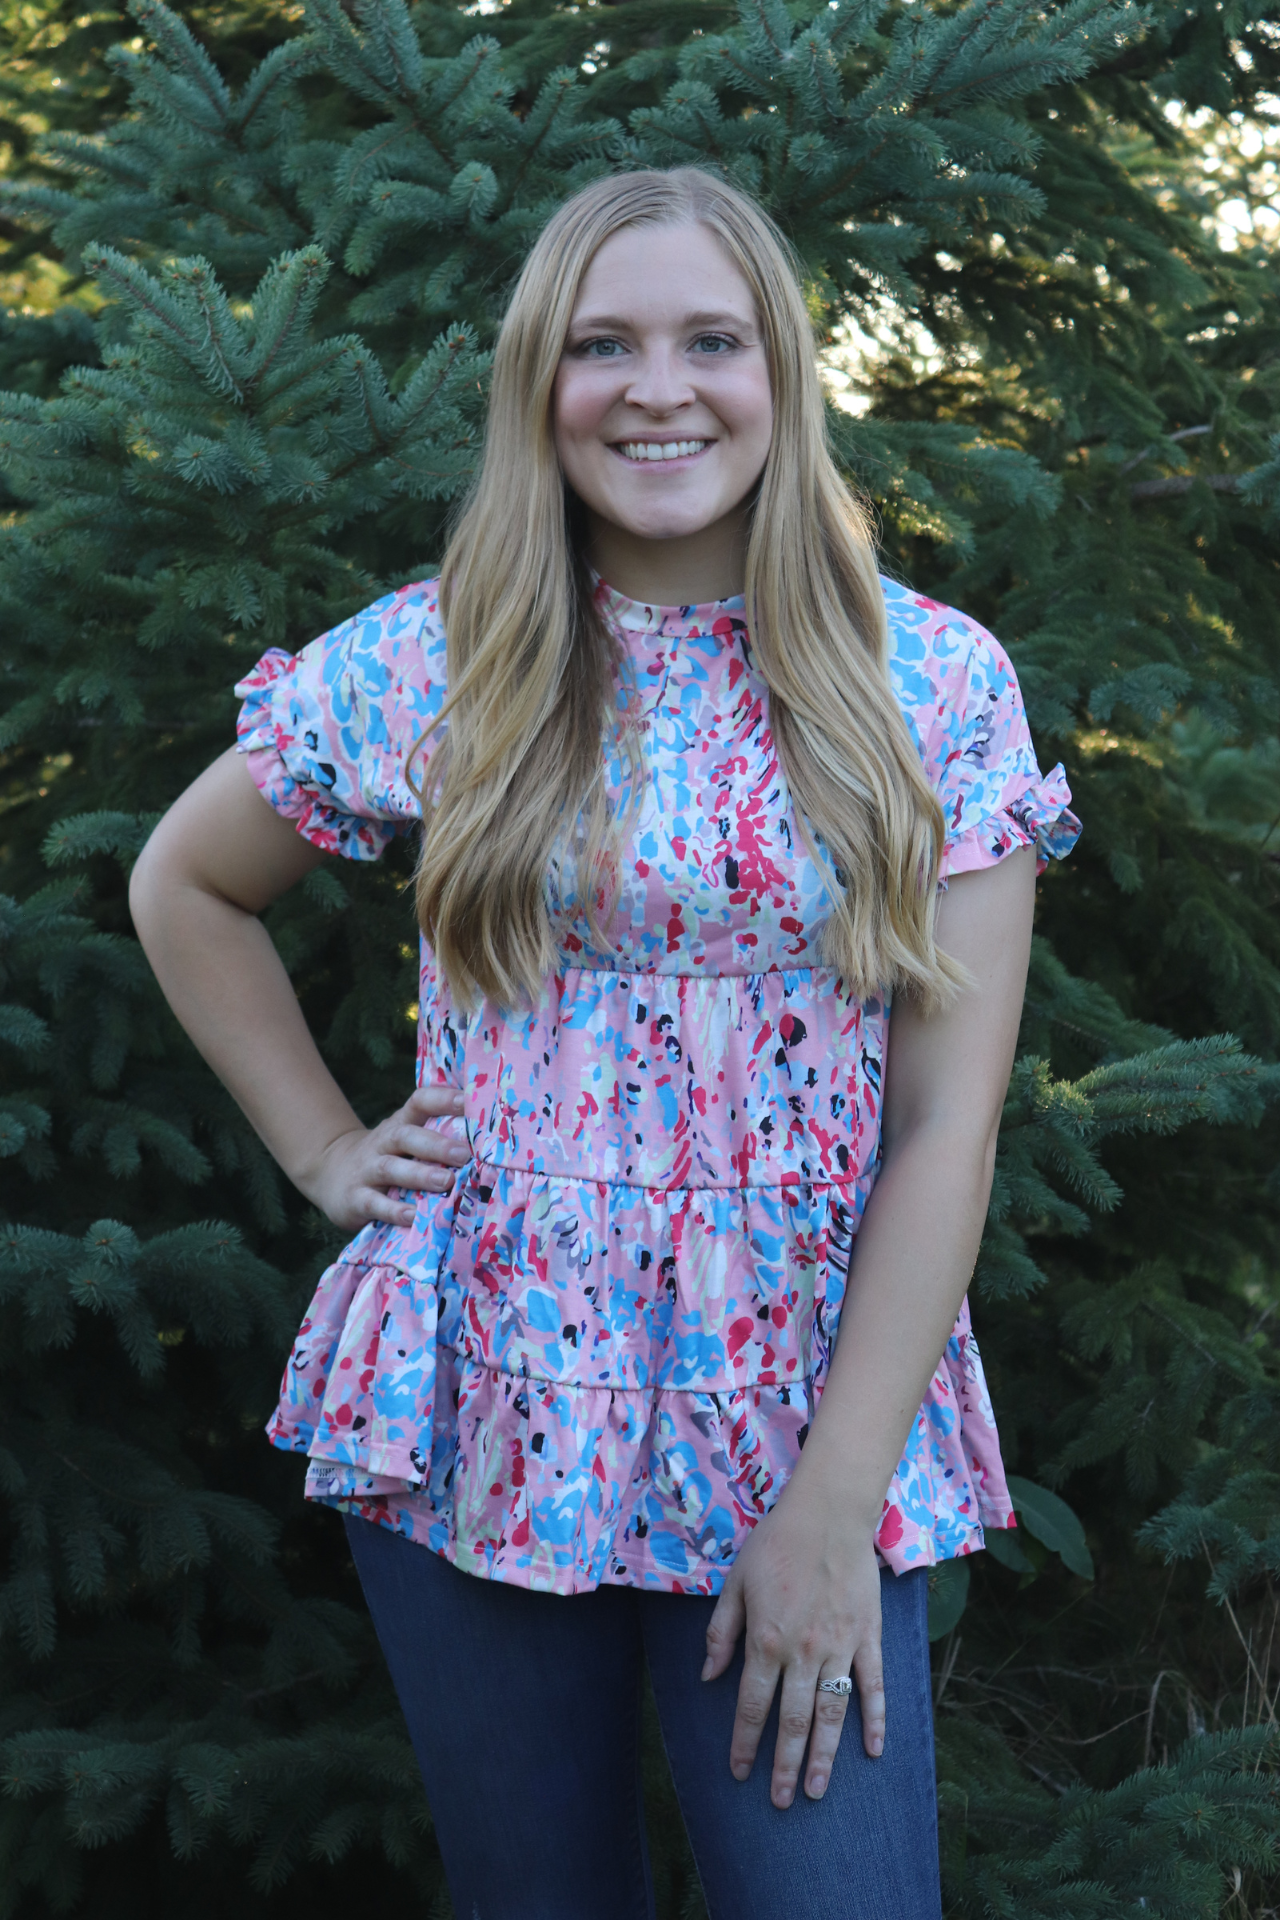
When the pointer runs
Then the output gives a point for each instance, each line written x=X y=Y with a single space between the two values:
x=659 y=383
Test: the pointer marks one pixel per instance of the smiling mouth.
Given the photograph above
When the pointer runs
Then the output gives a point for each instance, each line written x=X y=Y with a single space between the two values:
x=652 y=450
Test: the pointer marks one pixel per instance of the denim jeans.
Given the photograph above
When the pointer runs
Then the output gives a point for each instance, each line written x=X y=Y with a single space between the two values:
x=524 y=1711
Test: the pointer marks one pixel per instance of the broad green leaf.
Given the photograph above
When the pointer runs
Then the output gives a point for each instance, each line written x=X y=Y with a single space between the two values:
x=948 y=1595
x=1003 y=1546
x=1051 y=1520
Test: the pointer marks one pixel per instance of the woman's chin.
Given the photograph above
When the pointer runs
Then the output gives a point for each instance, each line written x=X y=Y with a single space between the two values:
x=685 y=524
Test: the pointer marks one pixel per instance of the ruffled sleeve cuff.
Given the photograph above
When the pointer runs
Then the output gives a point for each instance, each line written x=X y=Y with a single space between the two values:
x=284 y=758
x=1035 y=814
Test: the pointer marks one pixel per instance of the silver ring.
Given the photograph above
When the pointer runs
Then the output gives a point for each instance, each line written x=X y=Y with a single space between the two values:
x=842 y=1686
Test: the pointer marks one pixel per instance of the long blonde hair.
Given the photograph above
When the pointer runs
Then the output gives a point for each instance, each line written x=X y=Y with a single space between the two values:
x=519 y=775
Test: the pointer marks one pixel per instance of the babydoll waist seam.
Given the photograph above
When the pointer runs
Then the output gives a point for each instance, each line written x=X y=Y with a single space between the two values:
x=651 y=1393
x=699 y=973
x=655 y=1187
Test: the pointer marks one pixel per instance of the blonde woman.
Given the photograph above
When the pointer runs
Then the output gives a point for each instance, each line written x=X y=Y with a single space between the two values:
x=700 y=793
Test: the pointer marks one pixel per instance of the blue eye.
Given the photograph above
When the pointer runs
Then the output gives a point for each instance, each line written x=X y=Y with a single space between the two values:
x=713 y=343
x=601 y=349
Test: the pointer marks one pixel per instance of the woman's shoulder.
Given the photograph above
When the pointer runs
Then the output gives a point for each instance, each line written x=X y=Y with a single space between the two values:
x=953 y=680
x=393 y=651
x=329 y=732
x=960 y=696
x=390 y=655
x=935 y=649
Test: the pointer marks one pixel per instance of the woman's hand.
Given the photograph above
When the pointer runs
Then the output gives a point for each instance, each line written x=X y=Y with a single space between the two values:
x=806 y=1586
x=354 y=1178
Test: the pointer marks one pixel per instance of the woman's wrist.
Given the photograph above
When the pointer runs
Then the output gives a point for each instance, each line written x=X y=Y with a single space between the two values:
x=831 y=1475
x=827 y=1484
x=309 y=1165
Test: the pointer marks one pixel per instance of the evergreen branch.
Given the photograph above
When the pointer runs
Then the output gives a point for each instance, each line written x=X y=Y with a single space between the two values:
x=399 y=42
x=1175 y=485
x=23 y=1030
x=1136 y=460
x=772 y=26
x=346 y=51
x=457 y=84
x=1209 y=1079
x=198 y=277
x=183 y=50
x=283 y=65
x=83 y=835
x=552 y=96
x=296 y=282
x=145 y=294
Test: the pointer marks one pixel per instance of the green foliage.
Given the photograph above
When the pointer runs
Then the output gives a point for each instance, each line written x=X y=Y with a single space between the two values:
x=1162 y=1841
x=256 y=259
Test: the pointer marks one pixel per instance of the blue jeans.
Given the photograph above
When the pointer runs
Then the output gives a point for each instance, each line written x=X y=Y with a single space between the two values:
x=524 y=1711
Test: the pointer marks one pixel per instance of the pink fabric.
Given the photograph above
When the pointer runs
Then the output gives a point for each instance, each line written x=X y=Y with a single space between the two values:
x=597 y=1358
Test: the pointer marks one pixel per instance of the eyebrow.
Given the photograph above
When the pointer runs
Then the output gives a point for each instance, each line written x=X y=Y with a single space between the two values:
x=614 y=323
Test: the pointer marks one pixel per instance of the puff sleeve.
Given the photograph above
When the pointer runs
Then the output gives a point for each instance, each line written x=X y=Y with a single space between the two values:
x=327 y=733
x=960 y=695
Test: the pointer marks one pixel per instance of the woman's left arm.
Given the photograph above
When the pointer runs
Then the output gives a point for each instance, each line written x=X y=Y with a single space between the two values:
x=806 y=1585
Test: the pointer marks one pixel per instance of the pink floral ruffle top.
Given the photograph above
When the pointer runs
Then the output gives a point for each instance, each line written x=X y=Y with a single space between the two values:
x=597 y=1357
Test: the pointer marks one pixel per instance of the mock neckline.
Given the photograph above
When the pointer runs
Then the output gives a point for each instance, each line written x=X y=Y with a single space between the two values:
x=638 y=616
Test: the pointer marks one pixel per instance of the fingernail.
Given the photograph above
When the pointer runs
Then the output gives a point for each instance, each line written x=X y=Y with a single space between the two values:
x=783 y=1797
x=707 y=1665
x=817 y=1786
x=877 y=1746
x=741 y=1771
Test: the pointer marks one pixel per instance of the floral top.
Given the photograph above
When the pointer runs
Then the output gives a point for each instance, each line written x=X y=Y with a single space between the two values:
x=597 y=1357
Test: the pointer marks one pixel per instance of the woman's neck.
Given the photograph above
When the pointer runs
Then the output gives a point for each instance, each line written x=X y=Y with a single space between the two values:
x=689 y=571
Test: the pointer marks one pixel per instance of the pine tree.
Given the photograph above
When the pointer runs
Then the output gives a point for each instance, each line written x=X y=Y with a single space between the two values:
x=259 y=384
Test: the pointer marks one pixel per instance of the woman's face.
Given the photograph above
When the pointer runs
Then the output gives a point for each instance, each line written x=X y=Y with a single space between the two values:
x=663 y=409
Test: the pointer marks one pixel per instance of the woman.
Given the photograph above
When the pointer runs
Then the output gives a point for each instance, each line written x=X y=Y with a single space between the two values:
x=694 y=783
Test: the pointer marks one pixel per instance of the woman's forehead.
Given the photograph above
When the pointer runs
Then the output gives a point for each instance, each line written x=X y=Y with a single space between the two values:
x=680 y=272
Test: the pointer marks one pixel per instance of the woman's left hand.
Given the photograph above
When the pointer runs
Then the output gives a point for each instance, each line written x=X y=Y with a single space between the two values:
x=806 y=1587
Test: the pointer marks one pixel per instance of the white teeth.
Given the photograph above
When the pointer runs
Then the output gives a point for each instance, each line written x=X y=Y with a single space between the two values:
x=661 y=449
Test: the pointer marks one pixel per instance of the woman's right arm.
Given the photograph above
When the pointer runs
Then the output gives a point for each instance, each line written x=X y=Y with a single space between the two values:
x=217 y=859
